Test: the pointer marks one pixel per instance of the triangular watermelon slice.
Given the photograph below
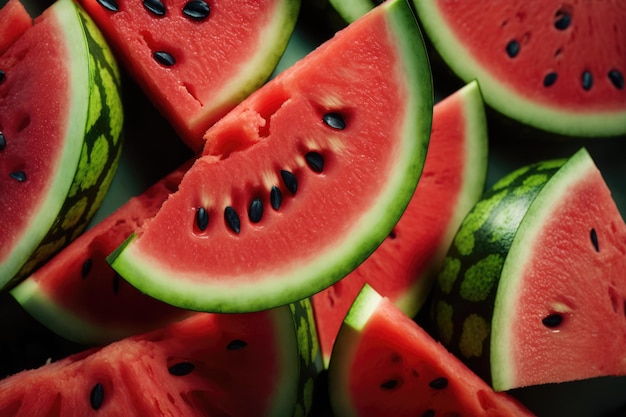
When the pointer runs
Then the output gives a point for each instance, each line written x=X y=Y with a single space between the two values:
x=533 y=289
x=384 y=364
x=257 y=364
x=60 y=134
x=299 y=183
x=405 y=265
x=196 y=59
x=81 y=298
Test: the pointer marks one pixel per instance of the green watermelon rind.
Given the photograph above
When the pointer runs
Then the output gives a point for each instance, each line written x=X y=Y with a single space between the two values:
x=504 y=99
x=576 y=168
x=337 y=261
x=75 y=196
x=351 y=10
x=473 y=181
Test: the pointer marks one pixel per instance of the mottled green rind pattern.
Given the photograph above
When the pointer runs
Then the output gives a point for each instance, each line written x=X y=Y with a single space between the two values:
x=309 y=353
x=100 y=154
x=464 y=296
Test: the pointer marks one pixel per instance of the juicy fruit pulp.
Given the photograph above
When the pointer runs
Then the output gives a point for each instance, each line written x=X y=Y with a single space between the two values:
x=557 y=67
x=57 y=160
x=403 y=268
x=209 y=364
x=384 y=364
x=307 y=176
x=78 y=296
x=532 y=291
x=196 y=59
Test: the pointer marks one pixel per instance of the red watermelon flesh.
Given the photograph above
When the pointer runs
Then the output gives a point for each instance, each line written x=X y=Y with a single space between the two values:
x=404 y=266
x=80 y=297
x=384 y=364
x=342 y=169
x=554 y=65
x=206 y=365
x=560 y=308
x=14 y=20
x=211 y=57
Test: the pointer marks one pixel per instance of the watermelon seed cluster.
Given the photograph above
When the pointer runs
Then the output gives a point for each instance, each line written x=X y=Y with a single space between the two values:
x=315 y=162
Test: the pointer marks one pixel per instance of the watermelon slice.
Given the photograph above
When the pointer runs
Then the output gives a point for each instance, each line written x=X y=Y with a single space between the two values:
x=56 y=160
x=14 y=21
x=384 y=364
x=405 y=266
x=78 y=296
x=196 y=59
x=533 y=289
x=256 y=364
x=300 y=182
x=556 y=66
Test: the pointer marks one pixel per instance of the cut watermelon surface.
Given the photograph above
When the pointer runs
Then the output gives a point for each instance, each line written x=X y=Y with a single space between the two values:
x=556 y=66
x=57 y=160
x=533 y=289
x=403 y=268
x=299 y=183
x=196 y=59
x=384 y=364
x=14 y=21
x=80 y=297
x=206 y=365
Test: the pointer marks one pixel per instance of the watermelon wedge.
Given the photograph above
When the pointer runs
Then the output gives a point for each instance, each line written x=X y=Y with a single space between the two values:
x=405 y=265
x=384 y=364
x=14 y=21
x=256 y=364
x=556 y=66
x=81 y=298
x=299 y=183
x=57 y=160
x=532 y=291
x=196 y=59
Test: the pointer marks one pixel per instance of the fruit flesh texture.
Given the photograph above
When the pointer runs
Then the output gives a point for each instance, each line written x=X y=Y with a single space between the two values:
x=14 y=21
x=404 y=267
x=571 y=267
x=385 y=364
x=77 y=294
x=219 y=60
x=268 y=131
x=219 y=383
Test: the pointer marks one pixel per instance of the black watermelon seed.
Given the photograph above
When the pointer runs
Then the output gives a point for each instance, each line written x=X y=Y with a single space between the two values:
x=236 y=344
x=429 y=413
x=96 y=397
x=594 y=239
x=197 y=10
x=553 y=320
x=18 y=176
x=586 y=80
x=290 y=180
x=334 y=120
x=164 y=58
x=617 y=79
x=255 y=210
x=512 y=48
x=202 y=218
x=563 y=20
x=232 y=219
x=116 y=283
x=550 y=79
x=110 y=5
x=155 y=6
x=3 y=141
x=3 y=76
x=86 y=268
x=315 y=161
x=276 y=197
x=181 y=368
x=438 y=383
x=389 y=385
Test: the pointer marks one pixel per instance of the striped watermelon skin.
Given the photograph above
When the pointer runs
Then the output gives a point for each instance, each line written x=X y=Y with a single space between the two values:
x=92 y=173
x=458 y=301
